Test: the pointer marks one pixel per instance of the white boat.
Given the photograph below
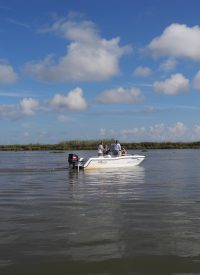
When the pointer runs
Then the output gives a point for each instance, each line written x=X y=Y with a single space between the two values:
x=106 y=161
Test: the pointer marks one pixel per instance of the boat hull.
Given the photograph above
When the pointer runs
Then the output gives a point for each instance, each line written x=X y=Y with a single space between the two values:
x=111 y=162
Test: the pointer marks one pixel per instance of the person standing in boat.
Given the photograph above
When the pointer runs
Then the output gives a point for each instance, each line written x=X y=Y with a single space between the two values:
x=116 y=148
x=100 y=149
x=105 y=149
x=123 y=152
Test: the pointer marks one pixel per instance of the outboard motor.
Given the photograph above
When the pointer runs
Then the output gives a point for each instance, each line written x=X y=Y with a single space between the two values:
x=72 y=159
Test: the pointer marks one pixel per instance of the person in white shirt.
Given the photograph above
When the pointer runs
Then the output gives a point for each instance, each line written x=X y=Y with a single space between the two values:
x=100 y=149
x=116 y=148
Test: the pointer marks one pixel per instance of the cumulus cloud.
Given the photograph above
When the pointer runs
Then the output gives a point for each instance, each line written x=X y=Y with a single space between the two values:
x=121 y=95
x=8 y=111
x=178 y=130
x=160 y=132
x=177 y=40
x=157 y=130
x=74 y=101
x=136 y=132
x=174 y=85
x=108 y=133
x=142 y=71
x=197 y=130
x=74 y=29
x=28 y=106
x=7 y=74
x=168 y=65
x=89 y=57
x=102 y=132
x=196 y=81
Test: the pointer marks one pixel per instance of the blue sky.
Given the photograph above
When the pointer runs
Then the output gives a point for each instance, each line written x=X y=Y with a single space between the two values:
x=99 y=69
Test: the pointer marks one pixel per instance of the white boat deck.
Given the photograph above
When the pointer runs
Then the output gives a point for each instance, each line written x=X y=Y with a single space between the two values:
x=109 y=161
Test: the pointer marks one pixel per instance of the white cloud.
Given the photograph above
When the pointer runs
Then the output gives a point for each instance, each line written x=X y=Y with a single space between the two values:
x=178 y=130
x=168 y=65
x=160 y=132
x=177 y=40
x=7 y=111
x=157 y=131
x=7 y=74
x=136 y=133
x=196 y=81
x=108 y=133
x=89 y=57
x=142 y=71
x=74 y=100
x=28 y=106
x=196 y=130
x=102 y=132
x=74 y=29
x=121 y=95
x=174 y=85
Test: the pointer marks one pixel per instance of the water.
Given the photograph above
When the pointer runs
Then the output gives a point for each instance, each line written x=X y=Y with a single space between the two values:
x=143 y=220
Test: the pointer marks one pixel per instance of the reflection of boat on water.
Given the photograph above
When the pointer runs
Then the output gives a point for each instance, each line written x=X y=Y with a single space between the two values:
x=103 y=162
x=111 y=176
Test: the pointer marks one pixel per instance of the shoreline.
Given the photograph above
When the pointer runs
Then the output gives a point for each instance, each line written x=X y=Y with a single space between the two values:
x=93 y=144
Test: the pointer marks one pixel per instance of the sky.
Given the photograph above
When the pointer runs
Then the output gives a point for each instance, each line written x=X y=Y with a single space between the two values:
x=99 y=69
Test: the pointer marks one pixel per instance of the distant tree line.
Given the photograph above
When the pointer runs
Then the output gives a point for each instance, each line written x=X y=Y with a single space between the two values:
x=92 y=145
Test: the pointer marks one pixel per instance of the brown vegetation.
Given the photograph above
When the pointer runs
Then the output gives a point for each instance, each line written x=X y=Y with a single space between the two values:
x=92 y=145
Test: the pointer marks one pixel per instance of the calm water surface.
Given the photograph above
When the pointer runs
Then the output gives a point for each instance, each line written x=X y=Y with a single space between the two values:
x=144 y=220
